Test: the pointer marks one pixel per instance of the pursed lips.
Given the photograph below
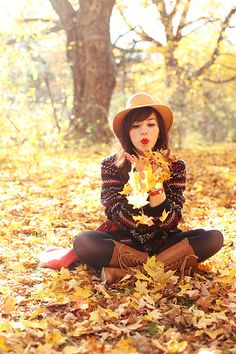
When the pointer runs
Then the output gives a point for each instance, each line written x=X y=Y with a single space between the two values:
x=144 y=141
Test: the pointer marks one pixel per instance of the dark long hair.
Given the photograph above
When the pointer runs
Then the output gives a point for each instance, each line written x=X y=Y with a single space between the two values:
x=138 y=115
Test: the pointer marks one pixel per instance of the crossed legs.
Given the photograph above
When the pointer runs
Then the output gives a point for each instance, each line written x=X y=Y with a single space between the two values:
x=95 y=248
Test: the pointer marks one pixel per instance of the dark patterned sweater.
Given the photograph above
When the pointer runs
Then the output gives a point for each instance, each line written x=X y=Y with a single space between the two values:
x=117 y=209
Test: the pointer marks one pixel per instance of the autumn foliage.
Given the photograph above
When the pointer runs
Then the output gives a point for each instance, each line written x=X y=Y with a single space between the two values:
x=47 y=198
x=156 y=170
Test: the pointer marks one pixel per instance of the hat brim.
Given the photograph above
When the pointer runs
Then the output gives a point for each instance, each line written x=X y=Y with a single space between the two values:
x=164 y=110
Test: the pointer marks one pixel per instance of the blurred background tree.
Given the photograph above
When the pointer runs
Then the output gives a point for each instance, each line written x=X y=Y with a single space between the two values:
x=186 y=58
x=58 y=71
x=90 y=58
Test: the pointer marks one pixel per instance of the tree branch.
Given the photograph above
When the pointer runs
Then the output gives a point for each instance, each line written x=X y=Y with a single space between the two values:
x=56 y=28
x=182 y=20
x=215 y=53
x=35 y=19
x=143 y=35
x=173 y=12
x=165 y=19
x=47 y=82
x=65 y=12
x=221 y=81
x=123 y=35
x=12 y=123
x=161 y=6
x=131 y=49
x=207 y=20
x=123 y=17
x=228 y=67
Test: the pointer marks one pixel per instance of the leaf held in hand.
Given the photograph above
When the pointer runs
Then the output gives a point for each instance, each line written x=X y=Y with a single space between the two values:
x=155 y=170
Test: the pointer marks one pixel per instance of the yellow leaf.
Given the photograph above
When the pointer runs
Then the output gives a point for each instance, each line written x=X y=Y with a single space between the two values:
x=141 y=287
x=134 y=181
x=124 y=346
x=164 y=215
x=3 y=345
x=55 y=338
x=5 y=326
x=95 y=316
x=158 y=157
x=9 y=305
x=157 y=273
x=228 y=277
x=102 y=314
x=43 y=324
x=81 y=329
x=70 y=349
x=65 y=274
x=139 y=275
x=140 y=183
x=151 y=266
x=101 y=289
x=144 y=219
x=212 y=334
x=126 y=190
x=37 y=312
x=110 y=313
x=215 y=333
x=150 y=178
x=174 y=347
x=184 y=288
x=85 y=292
x=155 y=314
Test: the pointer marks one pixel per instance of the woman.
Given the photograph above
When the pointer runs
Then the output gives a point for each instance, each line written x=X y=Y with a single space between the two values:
x=122 y=243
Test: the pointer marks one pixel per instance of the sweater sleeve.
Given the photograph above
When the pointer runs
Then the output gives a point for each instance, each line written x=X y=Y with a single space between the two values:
x=174 y=189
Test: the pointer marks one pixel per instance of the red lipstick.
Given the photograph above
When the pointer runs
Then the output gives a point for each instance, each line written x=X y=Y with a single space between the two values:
x=144 y=141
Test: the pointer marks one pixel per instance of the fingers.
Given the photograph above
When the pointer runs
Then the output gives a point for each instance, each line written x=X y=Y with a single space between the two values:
x=132 y=158
x=139 y=162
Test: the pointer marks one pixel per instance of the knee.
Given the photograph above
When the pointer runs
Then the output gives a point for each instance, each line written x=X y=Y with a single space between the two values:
x=216 y=239
x=83 y=245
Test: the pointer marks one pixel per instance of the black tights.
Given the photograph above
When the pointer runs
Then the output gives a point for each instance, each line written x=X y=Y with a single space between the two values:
x=95 y=248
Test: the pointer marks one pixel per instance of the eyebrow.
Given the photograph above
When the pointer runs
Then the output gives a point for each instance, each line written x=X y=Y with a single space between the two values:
x=148 y=119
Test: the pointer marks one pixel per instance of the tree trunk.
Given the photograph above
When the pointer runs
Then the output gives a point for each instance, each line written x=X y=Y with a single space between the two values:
x=91 y=60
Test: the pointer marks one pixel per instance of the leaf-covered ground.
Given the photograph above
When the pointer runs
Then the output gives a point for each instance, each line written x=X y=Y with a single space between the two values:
x=46 y=199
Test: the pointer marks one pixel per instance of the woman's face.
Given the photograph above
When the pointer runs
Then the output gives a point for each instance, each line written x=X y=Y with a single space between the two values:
x=144 y=135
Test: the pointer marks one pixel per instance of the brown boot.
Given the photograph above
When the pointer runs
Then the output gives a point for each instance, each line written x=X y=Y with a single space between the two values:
x=122 y=259
x=111 y=275
x=124 y=256
x=173 y=257
x=179 y=256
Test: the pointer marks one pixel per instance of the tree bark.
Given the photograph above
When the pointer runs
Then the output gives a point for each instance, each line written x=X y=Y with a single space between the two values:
x=90 y=57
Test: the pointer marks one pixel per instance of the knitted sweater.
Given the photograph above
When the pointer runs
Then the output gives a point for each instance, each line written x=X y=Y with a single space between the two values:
x=117 y=209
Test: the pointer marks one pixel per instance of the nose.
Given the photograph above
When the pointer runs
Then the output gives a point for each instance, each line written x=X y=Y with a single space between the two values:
x=143 y=130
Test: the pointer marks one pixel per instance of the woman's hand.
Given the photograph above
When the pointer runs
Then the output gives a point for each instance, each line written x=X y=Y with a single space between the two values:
x=170 y=158
x=141 y=162
x=138 y=162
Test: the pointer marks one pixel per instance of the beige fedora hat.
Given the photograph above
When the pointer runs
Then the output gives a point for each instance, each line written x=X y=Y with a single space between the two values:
x=139 y=100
